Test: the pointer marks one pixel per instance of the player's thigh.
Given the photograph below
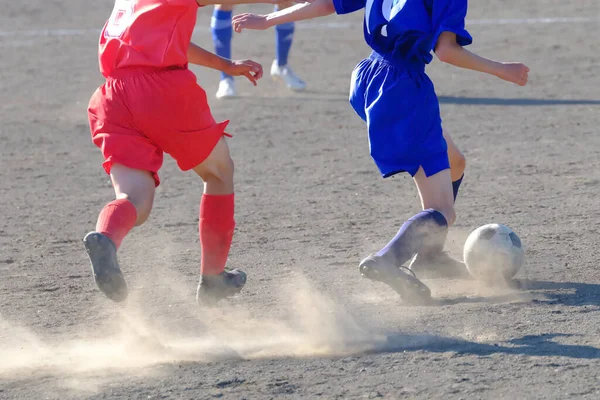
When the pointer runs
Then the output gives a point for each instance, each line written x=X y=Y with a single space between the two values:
x=136 y=185
x=436 y=192
x=457 y=160
x=178 y=118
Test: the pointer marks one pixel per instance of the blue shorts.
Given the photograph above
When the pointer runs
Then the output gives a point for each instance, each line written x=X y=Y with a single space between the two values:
x=402 y=114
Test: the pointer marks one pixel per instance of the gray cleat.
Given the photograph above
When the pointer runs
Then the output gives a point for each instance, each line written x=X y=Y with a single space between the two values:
x=213 y=288
x=439 y=265
x=402 y=280
x=107 y=274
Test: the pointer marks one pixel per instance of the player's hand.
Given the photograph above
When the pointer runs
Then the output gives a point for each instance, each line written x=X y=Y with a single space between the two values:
x=514 y=72
x=249 y=21
x=253 y=71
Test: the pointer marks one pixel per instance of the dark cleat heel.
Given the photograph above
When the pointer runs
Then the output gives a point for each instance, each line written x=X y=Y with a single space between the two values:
x=212 y=289
x=102 y=253
x=406 y=284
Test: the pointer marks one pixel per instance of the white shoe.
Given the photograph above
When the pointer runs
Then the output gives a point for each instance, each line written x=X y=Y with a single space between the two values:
x=285 y=74
x=226 y=88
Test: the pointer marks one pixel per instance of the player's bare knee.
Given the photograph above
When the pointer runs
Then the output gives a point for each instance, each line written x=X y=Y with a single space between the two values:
x=224 y=170
x=217 y=173
x=458 y=163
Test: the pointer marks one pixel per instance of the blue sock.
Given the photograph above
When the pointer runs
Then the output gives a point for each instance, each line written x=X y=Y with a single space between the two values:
x=220 y=25
x=423 y=233
x=284 y=35
x=456 y=186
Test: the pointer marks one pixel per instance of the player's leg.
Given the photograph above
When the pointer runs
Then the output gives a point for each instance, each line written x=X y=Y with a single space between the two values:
x=222 y=33
x=216 y=226
x=458 y=163
x=378 y=98
x=284 y=37
x=423 y=232
x=134 y=192
x=190 y=134
x=436 y=194
x=132 y=160
x=440 y=264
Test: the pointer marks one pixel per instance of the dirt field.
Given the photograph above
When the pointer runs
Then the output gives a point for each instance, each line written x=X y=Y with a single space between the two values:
x=310 y=205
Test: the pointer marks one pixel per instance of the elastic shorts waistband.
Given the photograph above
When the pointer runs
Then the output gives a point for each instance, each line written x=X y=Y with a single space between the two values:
x=121 y=73
x=416 y=66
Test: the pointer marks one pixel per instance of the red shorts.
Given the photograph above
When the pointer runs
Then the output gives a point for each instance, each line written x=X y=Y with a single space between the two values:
x=140 y=113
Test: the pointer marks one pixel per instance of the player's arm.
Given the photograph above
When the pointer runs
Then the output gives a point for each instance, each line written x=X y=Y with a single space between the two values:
x=199 y=56
x=318 y=8
x=449 y=51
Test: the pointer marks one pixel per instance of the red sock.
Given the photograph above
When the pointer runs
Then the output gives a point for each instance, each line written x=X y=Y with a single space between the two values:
x=216 y=232
x=116 y=219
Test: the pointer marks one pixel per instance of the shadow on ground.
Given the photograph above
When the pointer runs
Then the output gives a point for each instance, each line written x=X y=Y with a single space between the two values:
x=546 y=292
x=565 y=293
x=317 y=96
x=531 y=345
x=491 y=101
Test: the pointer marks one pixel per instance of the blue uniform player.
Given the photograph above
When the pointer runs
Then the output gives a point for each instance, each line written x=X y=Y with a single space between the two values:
x=392 y=94
x=220 y=26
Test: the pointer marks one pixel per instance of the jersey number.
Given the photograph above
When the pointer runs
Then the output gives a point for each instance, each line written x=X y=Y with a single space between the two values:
x=120 y=18
x=389 y=8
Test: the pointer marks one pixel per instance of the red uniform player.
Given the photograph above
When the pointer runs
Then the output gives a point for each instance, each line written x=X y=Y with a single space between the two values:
x=151 y=104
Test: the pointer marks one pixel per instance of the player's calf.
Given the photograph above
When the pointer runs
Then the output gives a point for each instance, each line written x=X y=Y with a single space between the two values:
x=134 y=190
x=216 y=226
x=135 y=186
x=458 y=164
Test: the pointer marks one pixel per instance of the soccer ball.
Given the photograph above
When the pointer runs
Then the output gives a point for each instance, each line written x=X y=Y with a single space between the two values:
x=493 y=252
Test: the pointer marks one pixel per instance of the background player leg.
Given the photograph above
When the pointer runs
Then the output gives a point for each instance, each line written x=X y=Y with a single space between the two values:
x=441 y=264
x=220 y=25
x=423 y=233
x=134 y=191
x=284 y=37
x=458 y=163
x=216 y=227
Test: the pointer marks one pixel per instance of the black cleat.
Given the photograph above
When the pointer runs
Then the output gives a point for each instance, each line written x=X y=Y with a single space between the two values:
x=213 y=288
x=402 y=280
x=107 y=274
x=439 y=265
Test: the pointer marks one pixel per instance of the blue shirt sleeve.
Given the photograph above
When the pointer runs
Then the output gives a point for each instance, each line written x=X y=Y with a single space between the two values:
x=348 y=6
x=449 y=16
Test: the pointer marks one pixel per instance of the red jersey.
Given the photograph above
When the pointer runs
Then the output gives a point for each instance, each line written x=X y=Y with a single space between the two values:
x=147 y=33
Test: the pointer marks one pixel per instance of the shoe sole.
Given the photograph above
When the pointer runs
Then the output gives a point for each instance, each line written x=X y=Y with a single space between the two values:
x=434 y=269
x=107 y=274
x=210 y=299
x=278 y=78
x=227 y=96
x=410 y=289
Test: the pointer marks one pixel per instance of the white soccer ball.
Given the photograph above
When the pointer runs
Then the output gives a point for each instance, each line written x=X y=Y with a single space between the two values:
x=493 y=252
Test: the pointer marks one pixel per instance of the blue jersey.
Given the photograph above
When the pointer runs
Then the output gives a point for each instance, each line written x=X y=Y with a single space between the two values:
x=407 y=30
x=390 y=90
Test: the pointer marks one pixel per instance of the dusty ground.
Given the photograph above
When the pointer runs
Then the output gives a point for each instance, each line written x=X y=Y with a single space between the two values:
x=310 y=204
